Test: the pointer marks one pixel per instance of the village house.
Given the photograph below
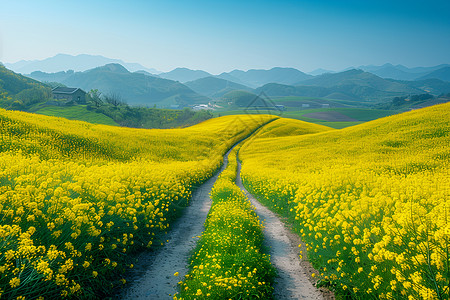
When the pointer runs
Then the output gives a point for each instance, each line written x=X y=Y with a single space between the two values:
x=67 y=94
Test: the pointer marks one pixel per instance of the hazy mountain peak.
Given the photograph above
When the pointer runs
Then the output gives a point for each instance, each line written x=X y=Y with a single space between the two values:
x=320 y=71
x=134 y=88
x=64 y=62
x=442 y=74
x=113 y=67
x=353 y=72
x=255 y=78
x=184 y=74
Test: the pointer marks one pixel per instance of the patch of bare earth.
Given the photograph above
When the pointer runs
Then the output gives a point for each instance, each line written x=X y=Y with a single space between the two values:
x=330 y=116
x=294 y=280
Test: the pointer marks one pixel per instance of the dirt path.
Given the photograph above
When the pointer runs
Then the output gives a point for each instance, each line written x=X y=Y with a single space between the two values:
x=153 y=276
x=294 y=279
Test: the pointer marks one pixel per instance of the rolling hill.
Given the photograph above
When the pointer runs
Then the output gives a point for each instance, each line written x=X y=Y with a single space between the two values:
x=134 y=88
x=390 y=174
x=215 y=87
x=12 y=83
x=18 y=92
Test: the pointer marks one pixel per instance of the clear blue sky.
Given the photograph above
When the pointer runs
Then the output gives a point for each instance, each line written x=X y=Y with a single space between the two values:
x=219 y=36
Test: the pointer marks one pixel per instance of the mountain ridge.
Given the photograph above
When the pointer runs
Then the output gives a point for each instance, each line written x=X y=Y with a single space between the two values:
x=184 y=74
x=135 y=88
x=65 y=62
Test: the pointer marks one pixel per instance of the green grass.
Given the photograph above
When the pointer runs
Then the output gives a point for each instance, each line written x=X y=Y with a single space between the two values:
x=78 y=112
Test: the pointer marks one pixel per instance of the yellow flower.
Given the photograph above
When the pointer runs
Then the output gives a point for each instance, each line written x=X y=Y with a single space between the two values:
x=15 y=282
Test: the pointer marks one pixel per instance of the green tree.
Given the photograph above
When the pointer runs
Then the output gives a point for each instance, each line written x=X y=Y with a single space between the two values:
x=94 y=97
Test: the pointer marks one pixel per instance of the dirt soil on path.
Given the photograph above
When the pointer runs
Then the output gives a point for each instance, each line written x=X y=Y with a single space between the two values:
x=152 y=277
x=294 y=280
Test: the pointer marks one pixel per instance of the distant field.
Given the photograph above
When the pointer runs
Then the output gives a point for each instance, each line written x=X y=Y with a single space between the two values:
x=78 y=112
x=295 y=101
x=360 y=114
x=339 y=125
x=355 y=115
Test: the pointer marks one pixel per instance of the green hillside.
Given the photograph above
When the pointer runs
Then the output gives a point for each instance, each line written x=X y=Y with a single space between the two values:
x=78 y=112
x=18 y=92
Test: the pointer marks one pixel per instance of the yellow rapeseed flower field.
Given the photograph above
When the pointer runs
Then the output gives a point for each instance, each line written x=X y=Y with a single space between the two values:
x=77 y=198
x=372 y=202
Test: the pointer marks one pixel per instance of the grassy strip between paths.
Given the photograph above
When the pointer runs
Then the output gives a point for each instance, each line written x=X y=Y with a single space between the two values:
x=228 y=262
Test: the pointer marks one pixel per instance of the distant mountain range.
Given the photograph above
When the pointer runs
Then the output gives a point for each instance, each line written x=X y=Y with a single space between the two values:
x=135 y=88
x=356 y=85
x=251 y=78
x=400 y=72
x=257 y=78
x=442 y=74
x=144 y=89
x=182 y=86
x=65 y=62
